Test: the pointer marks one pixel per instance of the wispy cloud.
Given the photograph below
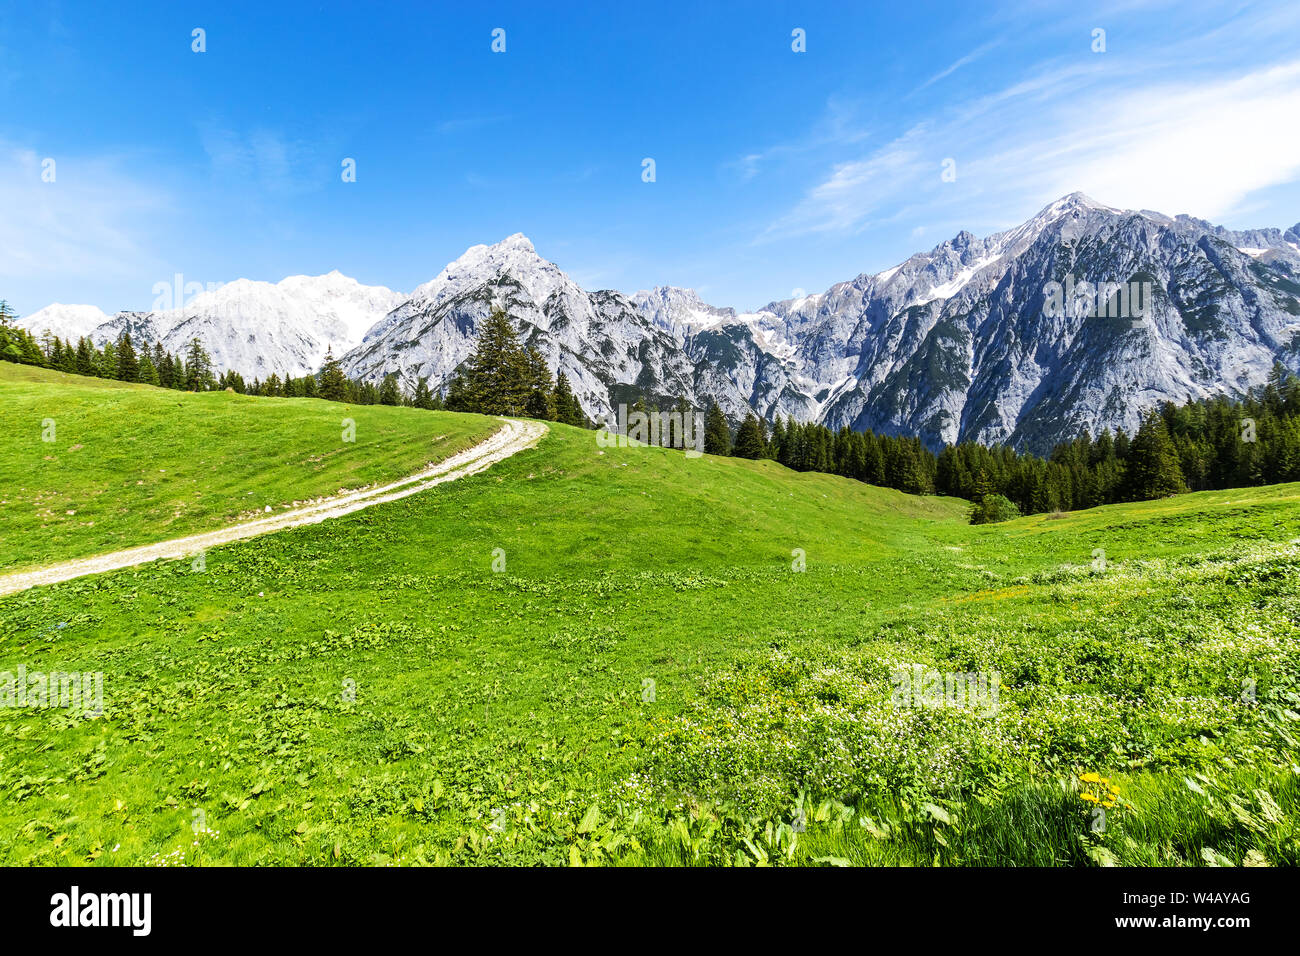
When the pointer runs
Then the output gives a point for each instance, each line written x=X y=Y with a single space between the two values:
x=266 y=158
x=1199 y=145
x=854 y=191
x=839 y=125
x=86 y=224
x=956 y=65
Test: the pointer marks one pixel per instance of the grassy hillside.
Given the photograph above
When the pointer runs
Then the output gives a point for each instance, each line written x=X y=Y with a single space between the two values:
x=130 y=464
x=649 y=678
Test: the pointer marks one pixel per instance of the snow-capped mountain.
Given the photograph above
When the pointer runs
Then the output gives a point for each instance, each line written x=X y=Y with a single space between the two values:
x=255 y=328
x=680 y=311
x=661 y=345
x=957 y=343
x=961 y=342
x=604 y=344
x=991 y=339
x=64 y=321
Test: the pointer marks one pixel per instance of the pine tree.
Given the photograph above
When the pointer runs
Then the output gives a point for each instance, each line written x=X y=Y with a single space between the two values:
x=198 y=367
x=389 y=394
x=1153 y=470
x=423 y=397
x=749 y=439
x=333 y=384
x=128 y=365
x=717 y=436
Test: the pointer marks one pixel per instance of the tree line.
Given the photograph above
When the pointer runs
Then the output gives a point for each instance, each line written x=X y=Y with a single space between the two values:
x=122 y=360
x=1200 y=445
x=500 y=378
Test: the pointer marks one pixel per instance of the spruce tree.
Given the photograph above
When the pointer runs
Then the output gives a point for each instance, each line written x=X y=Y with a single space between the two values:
x=389 y=394
x=497 y=378
x=1153 y=470
x=749 y=439
x=167 y=371
x=567 y=409
x=106 y=365
x=85 y=357
x=128 y=365
x=198 y=367
x=69 y=363
x=540 y=402
x=423 y=397
x=717 y=436
x=875 y=467
x=148 y=373
x=333 y=384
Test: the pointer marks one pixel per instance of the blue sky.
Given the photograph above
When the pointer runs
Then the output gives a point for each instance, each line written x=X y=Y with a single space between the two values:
x=775 y=170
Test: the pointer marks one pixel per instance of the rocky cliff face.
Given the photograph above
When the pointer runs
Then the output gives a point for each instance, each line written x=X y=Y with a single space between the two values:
x=602 y=341
x=1081 y=318
x=969 y=341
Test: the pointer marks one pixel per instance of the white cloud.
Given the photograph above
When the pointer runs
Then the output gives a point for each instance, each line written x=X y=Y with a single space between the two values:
x=970 y=57
x=84 y=224
x=267 y=159
x=1200 y=145
x=1201 y=148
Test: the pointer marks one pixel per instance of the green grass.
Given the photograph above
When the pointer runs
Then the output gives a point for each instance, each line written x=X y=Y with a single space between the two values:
x=649 y=680
x=129 y=464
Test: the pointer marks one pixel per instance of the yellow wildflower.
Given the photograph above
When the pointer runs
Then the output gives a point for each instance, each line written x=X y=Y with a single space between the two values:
x=1090 y=778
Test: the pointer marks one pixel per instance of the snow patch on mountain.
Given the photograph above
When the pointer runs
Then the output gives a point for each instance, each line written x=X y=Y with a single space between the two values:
x=64 y=321
x=951 y=344
x=256 y=328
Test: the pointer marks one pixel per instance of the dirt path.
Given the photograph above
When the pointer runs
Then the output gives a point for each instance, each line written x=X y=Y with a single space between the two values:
x=513 y=436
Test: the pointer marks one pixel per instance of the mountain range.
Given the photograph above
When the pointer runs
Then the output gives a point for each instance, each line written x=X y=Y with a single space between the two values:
x=965 y=341
x=255 y=328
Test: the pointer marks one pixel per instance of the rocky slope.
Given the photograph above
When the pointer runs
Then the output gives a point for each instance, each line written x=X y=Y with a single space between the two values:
x=255 y=328
x=996 y=339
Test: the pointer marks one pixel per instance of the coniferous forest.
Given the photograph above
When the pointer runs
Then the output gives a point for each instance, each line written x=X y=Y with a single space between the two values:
x=1198 y=446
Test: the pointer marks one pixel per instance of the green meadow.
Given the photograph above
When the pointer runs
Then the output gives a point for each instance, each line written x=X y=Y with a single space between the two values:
x=89 y=466
x=610 y=656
